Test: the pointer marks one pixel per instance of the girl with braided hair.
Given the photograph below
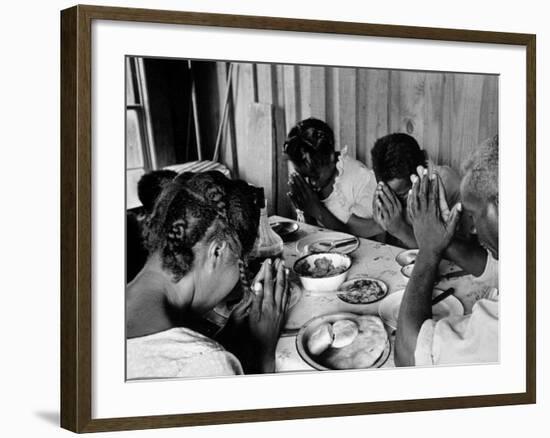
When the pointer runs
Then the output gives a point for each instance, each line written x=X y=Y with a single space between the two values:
x=198 y=235
x=333 y=189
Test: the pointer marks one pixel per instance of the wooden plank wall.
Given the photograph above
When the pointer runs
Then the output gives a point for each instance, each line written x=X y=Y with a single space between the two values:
x=448 y=114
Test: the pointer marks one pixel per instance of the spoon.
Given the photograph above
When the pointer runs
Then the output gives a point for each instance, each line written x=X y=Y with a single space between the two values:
x=443 y=295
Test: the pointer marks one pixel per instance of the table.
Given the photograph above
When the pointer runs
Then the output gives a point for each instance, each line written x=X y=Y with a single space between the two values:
x=372 y=258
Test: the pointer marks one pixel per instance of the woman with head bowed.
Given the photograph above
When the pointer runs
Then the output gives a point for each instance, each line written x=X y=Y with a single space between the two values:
x=198 y=236
x=333 y=189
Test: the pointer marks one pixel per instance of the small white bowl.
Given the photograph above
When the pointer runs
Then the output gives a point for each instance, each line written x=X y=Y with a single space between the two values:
x=406 y=271
x=323 y=284
x=407 y=257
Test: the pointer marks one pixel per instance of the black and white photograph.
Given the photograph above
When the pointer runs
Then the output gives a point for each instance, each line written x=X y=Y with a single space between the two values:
x=285 y=218
x=274 y=219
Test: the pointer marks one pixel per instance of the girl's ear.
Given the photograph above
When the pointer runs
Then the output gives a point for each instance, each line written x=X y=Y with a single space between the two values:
x=216 y=252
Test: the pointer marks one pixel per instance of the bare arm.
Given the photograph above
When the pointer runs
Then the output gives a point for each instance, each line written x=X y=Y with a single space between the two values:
x=358 y=226
x=406 y=235
x=416 y=306
x=469 y=256
x=303 y=196
x=433 y=236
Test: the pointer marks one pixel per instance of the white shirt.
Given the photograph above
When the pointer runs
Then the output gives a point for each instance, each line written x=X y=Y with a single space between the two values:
x=353 y=190
x=490 y=274
x=178 y=352
x=461 y=339
x=468 y=338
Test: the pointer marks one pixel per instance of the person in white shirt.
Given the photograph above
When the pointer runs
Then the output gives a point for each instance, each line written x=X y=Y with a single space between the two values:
x=470 y=338
x=200 y=230
x=333 y=189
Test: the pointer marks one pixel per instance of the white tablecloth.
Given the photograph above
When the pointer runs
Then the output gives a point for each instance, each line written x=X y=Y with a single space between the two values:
x=372 y=258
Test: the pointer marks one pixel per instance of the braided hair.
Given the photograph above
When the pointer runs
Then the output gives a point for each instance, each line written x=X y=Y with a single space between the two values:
x=197 y=207
x=310 y=143
x=244 y=215
x=150 y=185
x=396 y=156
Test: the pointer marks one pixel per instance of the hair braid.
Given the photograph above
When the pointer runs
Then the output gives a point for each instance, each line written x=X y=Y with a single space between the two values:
x=311 y=138
x=198 y=206
x=243 y=273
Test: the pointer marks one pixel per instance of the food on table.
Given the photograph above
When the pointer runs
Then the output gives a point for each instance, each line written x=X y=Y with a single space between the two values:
x=320 y=339
x=345 y=332
x=323 y=267
x=322 y=272
x=364 y=351
x=349 y=343
x=362 y=291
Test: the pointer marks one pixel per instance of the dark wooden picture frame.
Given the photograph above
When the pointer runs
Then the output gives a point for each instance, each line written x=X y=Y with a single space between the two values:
x=76 y=217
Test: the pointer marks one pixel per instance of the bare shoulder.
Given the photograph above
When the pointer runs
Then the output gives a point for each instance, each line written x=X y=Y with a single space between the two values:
x=451 y=183
x=448 y=174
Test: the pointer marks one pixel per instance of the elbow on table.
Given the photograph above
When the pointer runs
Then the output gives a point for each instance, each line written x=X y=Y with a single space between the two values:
x=366 y=228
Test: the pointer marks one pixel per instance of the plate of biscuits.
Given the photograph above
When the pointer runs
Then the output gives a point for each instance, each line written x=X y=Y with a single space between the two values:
x=344 y=341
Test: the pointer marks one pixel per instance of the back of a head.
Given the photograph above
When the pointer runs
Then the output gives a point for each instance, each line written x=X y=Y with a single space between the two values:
x=311 y=137
x=396 y=156
x=150 y=185
x=244 y=212
x=481 y=172
x=195 y=207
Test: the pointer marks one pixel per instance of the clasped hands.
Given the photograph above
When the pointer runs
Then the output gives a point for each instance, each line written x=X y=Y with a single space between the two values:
x=261 y=314
x=303 y=196
x=432 y=222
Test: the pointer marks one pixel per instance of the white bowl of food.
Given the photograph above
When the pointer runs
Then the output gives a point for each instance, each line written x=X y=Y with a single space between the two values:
x=322 y=272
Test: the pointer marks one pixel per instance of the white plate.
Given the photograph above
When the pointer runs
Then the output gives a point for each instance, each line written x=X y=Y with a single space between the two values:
x=304 y=245
x=389 y=307
x=341 y=293
x=309 y=327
